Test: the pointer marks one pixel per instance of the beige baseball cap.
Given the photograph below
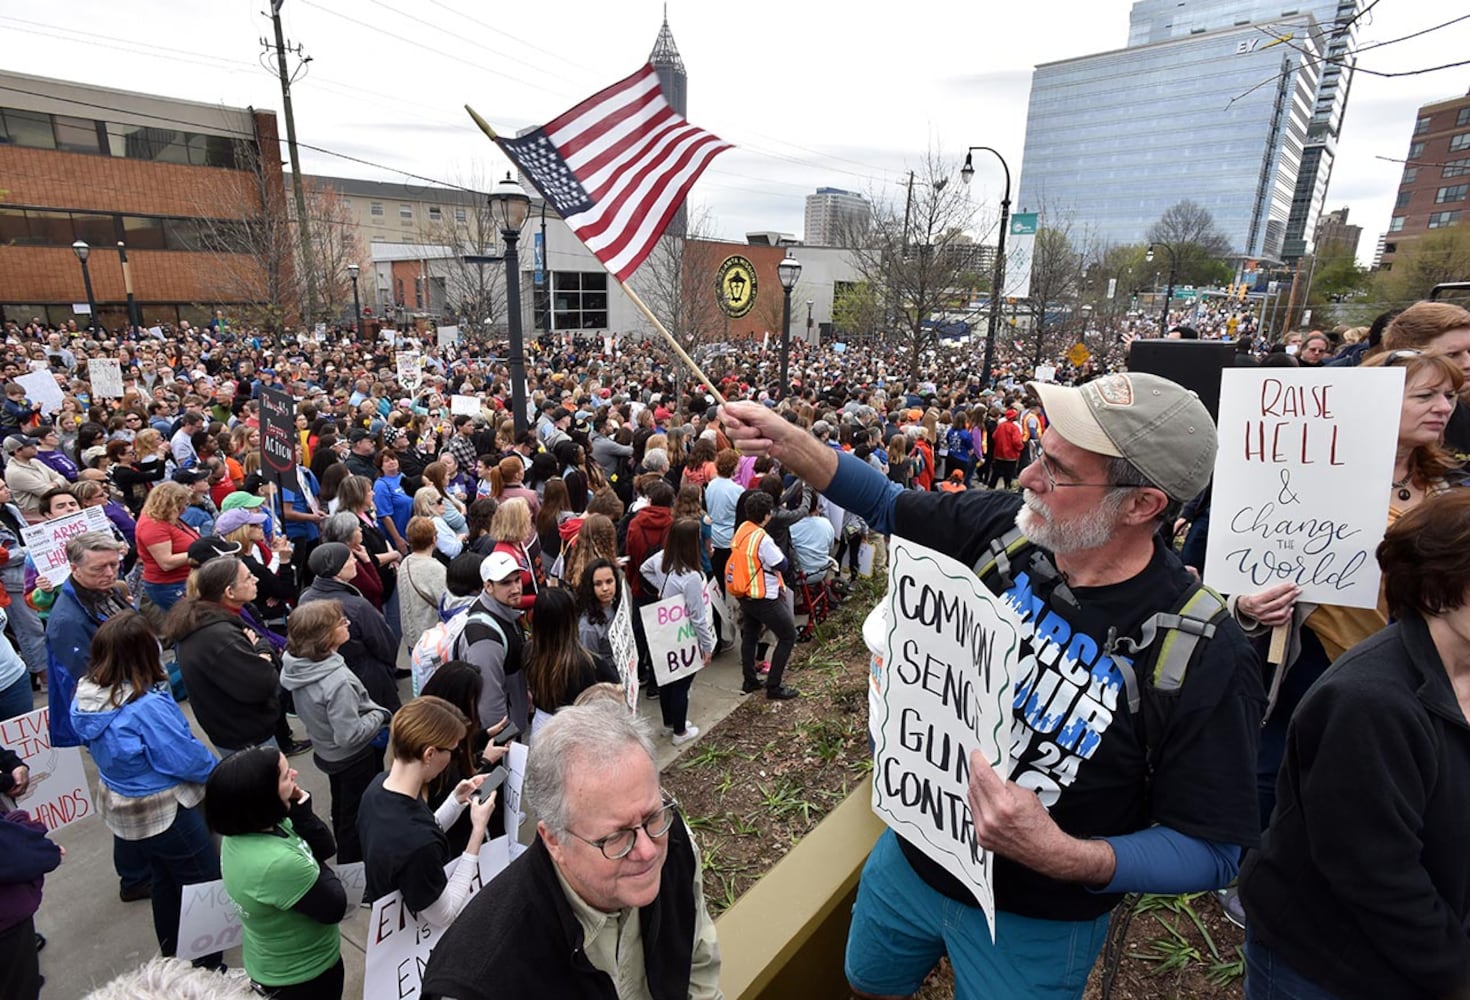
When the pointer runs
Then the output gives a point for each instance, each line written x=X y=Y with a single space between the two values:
x=1158 y=425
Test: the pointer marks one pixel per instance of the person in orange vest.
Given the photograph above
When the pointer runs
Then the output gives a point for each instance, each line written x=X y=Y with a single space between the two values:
x=753 y=575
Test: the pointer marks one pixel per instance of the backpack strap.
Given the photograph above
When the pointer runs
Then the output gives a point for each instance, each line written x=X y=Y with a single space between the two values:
x=480 y=615
x=1193 y=620
x=999 y=556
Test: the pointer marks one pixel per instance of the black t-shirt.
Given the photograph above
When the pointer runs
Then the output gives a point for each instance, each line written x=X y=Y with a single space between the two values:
x=1457 y=432
x=402 y=847
x=1074 y=741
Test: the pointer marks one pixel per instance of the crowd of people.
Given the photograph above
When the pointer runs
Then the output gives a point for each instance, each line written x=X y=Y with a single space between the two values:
x=494 y=556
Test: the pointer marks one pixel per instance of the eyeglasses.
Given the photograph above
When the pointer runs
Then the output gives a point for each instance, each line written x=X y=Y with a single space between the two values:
x=1051 y=479
x=619 y=844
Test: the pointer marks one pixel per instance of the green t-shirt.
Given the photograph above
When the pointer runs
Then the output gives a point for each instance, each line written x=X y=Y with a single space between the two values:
x=266 y=874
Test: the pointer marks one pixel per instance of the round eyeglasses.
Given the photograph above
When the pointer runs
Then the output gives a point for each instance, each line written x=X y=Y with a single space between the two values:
x=619 y=844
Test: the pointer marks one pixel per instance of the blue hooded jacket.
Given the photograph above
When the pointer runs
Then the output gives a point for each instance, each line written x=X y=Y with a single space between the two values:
x=143 y=747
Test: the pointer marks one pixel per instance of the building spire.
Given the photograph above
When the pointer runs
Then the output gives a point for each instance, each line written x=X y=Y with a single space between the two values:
x=665 y=52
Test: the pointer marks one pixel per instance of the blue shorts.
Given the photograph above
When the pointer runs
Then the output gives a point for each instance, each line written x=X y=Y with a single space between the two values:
x=901 y=927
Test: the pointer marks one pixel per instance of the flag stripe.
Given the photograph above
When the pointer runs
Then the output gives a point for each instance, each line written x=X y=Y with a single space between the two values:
x=618 y=166
x=634 y=177
x=604 y=101
x=619 y=120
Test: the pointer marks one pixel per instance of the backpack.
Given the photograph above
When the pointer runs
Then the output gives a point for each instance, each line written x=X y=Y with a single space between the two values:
x=439 y=643
x=1170 y=640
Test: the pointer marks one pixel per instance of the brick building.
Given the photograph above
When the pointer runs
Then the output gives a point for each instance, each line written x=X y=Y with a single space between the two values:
x=1434 y=191
x=194 y=192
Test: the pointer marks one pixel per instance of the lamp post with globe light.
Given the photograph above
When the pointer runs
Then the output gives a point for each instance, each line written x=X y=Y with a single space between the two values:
x=787 y=271
x=509 y=206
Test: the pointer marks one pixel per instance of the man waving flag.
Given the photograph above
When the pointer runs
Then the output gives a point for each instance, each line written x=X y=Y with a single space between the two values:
x=616 y=167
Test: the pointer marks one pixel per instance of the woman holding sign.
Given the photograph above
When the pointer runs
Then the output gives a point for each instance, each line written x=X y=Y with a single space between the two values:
x=273 y=856
x=1323 y=632
x=675 y=572
x=1360 y=888
x=402 y=837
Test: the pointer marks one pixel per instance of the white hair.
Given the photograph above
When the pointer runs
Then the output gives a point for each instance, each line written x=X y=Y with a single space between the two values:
x=173 y=979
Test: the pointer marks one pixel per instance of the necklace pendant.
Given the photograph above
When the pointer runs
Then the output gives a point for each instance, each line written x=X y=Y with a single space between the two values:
x=1404 y=493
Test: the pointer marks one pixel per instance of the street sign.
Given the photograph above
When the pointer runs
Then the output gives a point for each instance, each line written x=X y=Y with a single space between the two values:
x=1079 y=354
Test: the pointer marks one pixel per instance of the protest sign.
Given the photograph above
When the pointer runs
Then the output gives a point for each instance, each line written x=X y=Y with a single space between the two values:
x=277 y=434
x=467 y=405
x=41 y=389
x=944 y=690
x=410 y=368
x=58 y=794
x=515 y=780
x=399 y=942
x=105 y=375
x=209 y=920
x=448 y=336
x=673 y=641
x=46 y=542
x=1302 y=481
x=625 y=648
x=1046 y=373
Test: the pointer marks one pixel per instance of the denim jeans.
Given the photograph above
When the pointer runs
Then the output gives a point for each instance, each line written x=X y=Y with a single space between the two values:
x=1267 y=977
x=673 y=702
x=179 y=856
x=16 y=699
x=164 y=595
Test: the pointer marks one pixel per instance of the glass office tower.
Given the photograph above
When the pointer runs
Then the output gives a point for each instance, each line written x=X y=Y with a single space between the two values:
x=1220 y=117
x=1161 y=20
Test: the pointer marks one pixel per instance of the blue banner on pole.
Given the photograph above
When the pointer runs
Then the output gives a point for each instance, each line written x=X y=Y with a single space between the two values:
x=540 y=255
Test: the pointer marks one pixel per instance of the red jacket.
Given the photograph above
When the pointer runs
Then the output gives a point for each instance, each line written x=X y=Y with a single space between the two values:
x=924 y=478
x=647 y=533
x=1007 y=441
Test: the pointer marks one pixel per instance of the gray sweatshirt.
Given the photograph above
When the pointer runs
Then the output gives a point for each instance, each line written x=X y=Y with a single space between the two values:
x=331 y=702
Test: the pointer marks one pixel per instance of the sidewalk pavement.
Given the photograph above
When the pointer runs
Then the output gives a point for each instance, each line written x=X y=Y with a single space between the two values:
x=93 y=936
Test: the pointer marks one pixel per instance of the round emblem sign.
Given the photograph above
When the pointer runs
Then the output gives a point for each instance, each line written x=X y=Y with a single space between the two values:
x=735 y=286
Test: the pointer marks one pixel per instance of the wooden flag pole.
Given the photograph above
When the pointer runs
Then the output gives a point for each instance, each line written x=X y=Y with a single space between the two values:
x=643 y=308
x=632 y=295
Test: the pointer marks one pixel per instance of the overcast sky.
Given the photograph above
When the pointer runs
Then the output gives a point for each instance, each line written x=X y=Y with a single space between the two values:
x=813 y=94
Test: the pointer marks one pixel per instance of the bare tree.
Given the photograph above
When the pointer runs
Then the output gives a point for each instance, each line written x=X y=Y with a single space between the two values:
x=334 y=245
x=678 y=283
x=247 y=230
x=1199 y=248
x=918 y=251
x=475 y=292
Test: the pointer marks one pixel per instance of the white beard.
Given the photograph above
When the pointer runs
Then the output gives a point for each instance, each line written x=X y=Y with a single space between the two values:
x=1088 y=530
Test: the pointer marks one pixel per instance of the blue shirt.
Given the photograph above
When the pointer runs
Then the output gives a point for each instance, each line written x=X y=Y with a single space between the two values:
x=392 y=503
x=300 y=531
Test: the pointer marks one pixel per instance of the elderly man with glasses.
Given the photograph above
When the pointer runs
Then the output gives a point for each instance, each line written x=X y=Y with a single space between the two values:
x=607 y=901
x=1119 y=782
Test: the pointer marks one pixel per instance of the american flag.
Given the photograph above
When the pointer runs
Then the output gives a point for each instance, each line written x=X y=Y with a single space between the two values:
x=616 y=167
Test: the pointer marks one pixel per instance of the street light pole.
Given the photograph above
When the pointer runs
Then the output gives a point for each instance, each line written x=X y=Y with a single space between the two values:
x=1168 y=295
x=352 y=270
x=510 y=205
x=966 y=172
x=81 y=249
x=787 y=271
x=134 y=319
x=809 y=322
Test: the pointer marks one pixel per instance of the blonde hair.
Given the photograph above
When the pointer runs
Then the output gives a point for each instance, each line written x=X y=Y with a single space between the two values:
x=512 y=520
x=423 y=501
x=426 y=722
x=167 y=501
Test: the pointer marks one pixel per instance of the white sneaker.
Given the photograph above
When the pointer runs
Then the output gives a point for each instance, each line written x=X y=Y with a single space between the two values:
x=668 y=730
x=688 y=734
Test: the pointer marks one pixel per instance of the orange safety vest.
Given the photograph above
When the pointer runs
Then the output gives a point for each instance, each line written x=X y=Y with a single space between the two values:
x=745 y=574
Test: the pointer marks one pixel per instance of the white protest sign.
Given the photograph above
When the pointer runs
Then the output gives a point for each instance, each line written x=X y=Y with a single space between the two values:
x=105 y=374
x=467 y=405
x=625 y=648
x=1302 y=480
x=945 y=690
x=209 y=920
x=46 y=542
x=156 y=332
x=448 y=336
x=510 y=793
x=673 y=641
x=1046 y=373
x=399 y=943
x=58 y=794
x=41 y=389
x=410 y=368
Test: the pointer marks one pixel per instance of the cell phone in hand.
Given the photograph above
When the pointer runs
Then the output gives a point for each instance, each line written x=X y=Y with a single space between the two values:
x=492 y=781
x=510 y=732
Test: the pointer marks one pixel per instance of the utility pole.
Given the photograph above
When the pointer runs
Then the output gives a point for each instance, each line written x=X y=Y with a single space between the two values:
x=302 y=227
